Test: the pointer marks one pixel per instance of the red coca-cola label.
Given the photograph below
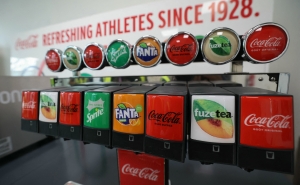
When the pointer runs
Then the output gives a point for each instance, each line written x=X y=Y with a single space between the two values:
x=30 y=42
x=165 y=117
x=267 y=122
x=53 y=60
x=30 y=105
x=266 y=43
x=70 y=108
x=137 y=169
x=181 y=49
x=93 y=56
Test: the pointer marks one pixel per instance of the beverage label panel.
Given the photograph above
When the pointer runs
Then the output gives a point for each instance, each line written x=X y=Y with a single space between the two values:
x=165 y=117
x=48 y=107
x=30 y=105
x=267 y=122
x=70 y=108
x=129 y=113
x=97 y=110
x=140 y=169
x=213 y=118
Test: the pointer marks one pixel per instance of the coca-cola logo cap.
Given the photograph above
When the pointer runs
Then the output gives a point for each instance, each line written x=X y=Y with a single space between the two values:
x=53 y=60
x=265 y=43
x=181 y=48
x=93 y=56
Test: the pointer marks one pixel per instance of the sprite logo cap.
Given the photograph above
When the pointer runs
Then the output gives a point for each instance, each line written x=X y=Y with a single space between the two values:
x=118 y=54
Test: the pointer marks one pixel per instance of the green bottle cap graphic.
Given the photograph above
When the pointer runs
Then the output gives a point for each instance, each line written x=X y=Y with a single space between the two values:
x=72 y=58
x=220 y=46
x=97 y=110
x=118 y=54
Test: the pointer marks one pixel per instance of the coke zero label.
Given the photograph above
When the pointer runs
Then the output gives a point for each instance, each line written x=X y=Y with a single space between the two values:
x=169 y=117
x=181 y=48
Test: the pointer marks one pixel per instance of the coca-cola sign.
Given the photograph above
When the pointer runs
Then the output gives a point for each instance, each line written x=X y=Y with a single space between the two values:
x=29 y=105
x=136 y=169
x=276 y=121
x=69 y=108
x=30 y=42
x=266 y=43
x=169 y=117
x=181 y=48
x=267 y=122
x=144 y=173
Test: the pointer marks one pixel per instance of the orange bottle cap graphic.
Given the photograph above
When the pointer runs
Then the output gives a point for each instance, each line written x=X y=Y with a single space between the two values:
x=147 y=51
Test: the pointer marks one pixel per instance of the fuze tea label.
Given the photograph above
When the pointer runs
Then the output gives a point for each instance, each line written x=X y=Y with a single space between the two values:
x=70 y=108
x=72 y=59
x=30 y=105
x=165 y=117
x=118 y=54
x=220 y=46
x=129 y=113
x=212 y=118
x=147 y=51
x=97 y=110
x=48 y=107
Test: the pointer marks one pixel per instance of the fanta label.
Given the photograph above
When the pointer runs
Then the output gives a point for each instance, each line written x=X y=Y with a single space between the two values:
x=129 y=113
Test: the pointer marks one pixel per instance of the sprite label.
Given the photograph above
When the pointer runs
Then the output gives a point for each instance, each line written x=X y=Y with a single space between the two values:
x=97 y=110
x=118 y=54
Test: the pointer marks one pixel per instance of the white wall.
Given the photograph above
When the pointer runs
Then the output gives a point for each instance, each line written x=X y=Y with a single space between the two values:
x=287 y=14
x=20 y=16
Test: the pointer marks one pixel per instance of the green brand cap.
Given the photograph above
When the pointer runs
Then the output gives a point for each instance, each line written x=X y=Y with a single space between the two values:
x=118 y=54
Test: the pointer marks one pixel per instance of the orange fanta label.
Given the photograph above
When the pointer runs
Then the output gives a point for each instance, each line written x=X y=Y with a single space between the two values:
x=129 y=113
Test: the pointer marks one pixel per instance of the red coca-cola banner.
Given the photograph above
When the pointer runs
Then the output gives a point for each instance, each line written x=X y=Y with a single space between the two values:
x=140 y=169
x=267 y=122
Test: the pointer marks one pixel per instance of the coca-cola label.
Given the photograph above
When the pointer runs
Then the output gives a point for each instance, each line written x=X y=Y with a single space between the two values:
x=136 y=169
x=181 y=49
x=267 y=122
x=213 y=118
x=70 y=108
x=165 y=117
x=93 y=56
x=27 y=43
x=266 y=43
x=30 y=105
x=53 y=60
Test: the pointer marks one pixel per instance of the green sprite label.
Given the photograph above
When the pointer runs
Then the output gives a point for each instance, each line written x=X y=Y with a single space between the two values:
x=97 y=110
x=71 y=57
x=220 y=45
x=118 y=54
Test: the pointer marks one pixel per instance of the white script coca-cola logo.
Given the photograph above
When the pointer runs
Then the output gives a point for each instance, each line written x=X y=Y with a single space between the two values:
x=144 y=173
x=271 y=42
x=30 y=42
x=29 y=105
x=276 y=121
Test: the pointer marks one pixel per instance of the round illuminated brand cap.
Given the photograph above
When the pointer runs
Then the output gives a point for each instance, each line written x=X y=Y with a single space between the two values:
x=147 y=51
x=94 y=56
x=54 y=61
x=265 y=43
x=181 y=48
x=220 y=46
x=118 y=54
x=72 y=58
